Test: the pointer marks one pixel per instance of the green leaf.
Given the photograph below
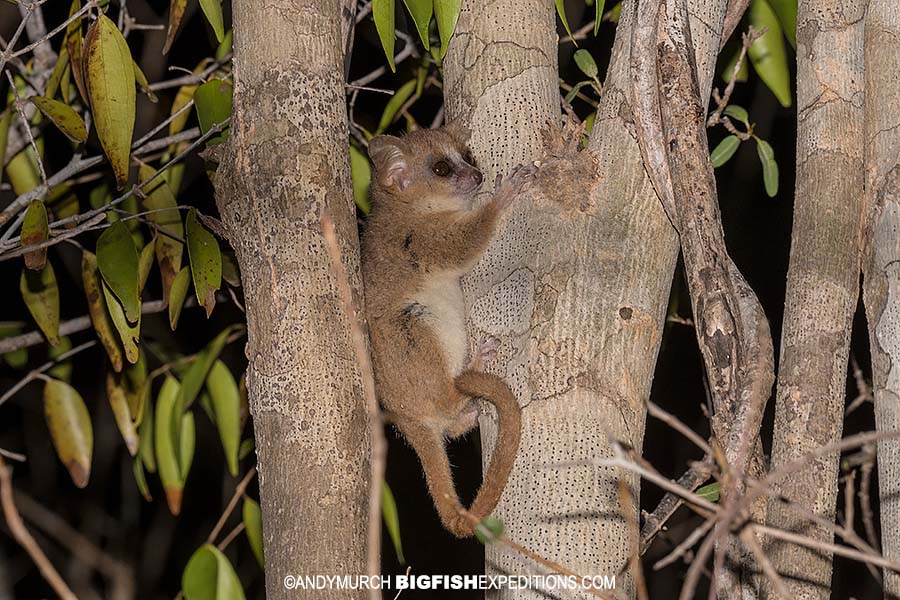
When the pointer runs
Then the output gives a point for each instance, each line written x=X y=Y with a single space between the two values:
x=141 y=479
x=225 y=47
x=489 y=529
x=165 y=439
x=17 y=359
x=561 y=11
x=209 y=576
x=176 y=12
x=121 y=412
x=70 y=429
x=97 y=309
x=361 y=173
x=446 y=13
x=213 y=103
x=62 y=370
x=41 y=296
x=738 y=112
x=23 y=172
x=226 y=405
x=163 y=212
x=253 y=528
x=786 y=10
x=767 y=53
x=213 y=11
x=391 y=519
x=247 y=446
x=598 y=14
x=145 y=263
x=421 y=11
x=724 y=151
x=146 y=439
x=586 y=63
x=193 y=380
x=206 y=262
x=395 y=104
x=769 y=166
x=383 y=14
x=709 y=492
x=35 y=229
x=118 y=262
x=59 y=69
x=75 y=48
x=575 y=89
x=66 y=120
x=183 y=97
x=110 y=82
x=186 y=444
x=5 y=120
x=179 y=291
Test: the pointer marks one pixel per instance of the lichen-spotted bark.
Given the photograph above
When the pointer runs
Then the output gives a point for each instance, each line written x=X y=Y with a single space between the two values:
x=881 y=289
x=576 y=284
x=286 y=161
x=822 y=285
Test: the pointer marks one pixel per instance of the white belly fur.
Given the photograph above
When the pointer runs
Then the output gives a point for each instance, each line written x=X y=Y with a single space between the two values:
x=445 y=314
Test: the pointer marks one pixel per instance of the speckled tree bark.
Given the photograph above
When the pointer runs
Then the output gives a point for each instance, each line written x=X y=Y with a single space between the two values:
x=823 y=284
x=881 y=290
x=285 y=161
x=576 y=284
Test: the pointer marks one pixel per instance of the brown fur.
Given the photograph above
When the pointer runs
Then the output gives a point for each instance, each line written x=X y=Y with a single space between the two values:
x=424 y=233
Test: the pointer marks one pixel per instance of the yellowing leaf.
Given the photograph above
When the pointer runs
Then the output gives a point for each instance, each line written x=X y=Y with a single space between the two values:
x=206 y=261
x=35 y=229
x=182 y=98
x=252 y=517
x=110 y=78
x=63 y=369
x=170 y=231
x=176 y=12
x=179 y=290
x=446 y=13
x=100 y=317
x=213 y=11
x=141 y=80
x=165 y=444
x=383 y=14
x=767 y=54
x=213 y=103
x=41 y=296
x=23 y=172
x=75 y=50
x=66 y=120
x=226 y=405
x=129 y=333
x=118 y=262
x=209 y=576
x=17 y=359
x=119 y=404
x=70 y=429
x=59 y=69
x=145 y=263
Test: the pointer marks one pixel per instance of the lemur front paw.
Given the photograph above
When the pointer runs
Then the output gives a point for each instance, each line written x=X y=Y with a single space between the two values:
x=508 y=189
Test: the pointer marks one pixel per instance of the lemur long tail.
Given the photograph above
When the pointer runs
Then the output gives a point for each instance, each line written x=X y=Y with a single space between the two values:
x=494 y=390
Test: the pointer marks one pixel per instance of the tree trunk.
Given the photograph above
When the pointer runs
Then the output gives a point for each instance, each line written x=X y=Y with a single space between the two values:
x=286 y=161
x=881 y=290
x=822 y=285
x=576 y=285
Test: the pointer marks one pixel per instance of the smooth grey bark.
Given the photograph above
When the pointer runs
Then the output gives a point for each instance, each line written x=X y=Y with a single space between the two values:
x=881 y=289
x=576 y=284
x=286 y=160
x=823 y=282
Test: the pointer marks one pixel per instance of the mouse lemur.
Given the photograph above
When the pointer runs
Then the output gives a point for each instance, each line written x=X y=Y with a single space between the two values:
x=422 y=235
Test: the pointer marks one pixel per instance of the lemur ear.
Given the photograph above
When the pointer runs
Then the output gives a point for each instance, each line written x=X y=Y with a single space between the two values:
x=391 y=170
x=458 y=130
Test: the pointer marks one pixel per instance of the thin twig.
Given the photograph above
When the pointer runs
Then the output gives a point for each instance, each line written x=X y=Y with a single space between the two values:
x=23 y=537
x=38 y=371
x=238 y=492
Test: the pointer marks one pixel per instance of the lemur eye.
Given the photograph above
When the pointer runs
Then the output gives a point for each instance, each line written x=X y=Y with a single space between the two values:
x=441 y=168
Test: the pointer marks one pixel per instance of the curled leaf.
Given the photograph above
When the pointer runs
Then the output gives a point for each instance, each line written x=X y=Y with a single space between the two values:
x=165 y=443
x=176 y=12
x=70 y=429
x=98 y=311
x=129 y=333
x=141 y=479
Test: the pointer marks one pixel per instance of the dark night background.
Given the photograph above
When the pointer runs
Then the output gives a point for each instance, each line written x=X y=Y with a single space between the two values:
x=111 y=512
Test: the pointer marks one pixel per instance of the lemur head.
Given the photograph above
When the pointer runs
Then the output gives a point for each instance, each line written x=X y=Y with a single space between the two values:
x=430 y=168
